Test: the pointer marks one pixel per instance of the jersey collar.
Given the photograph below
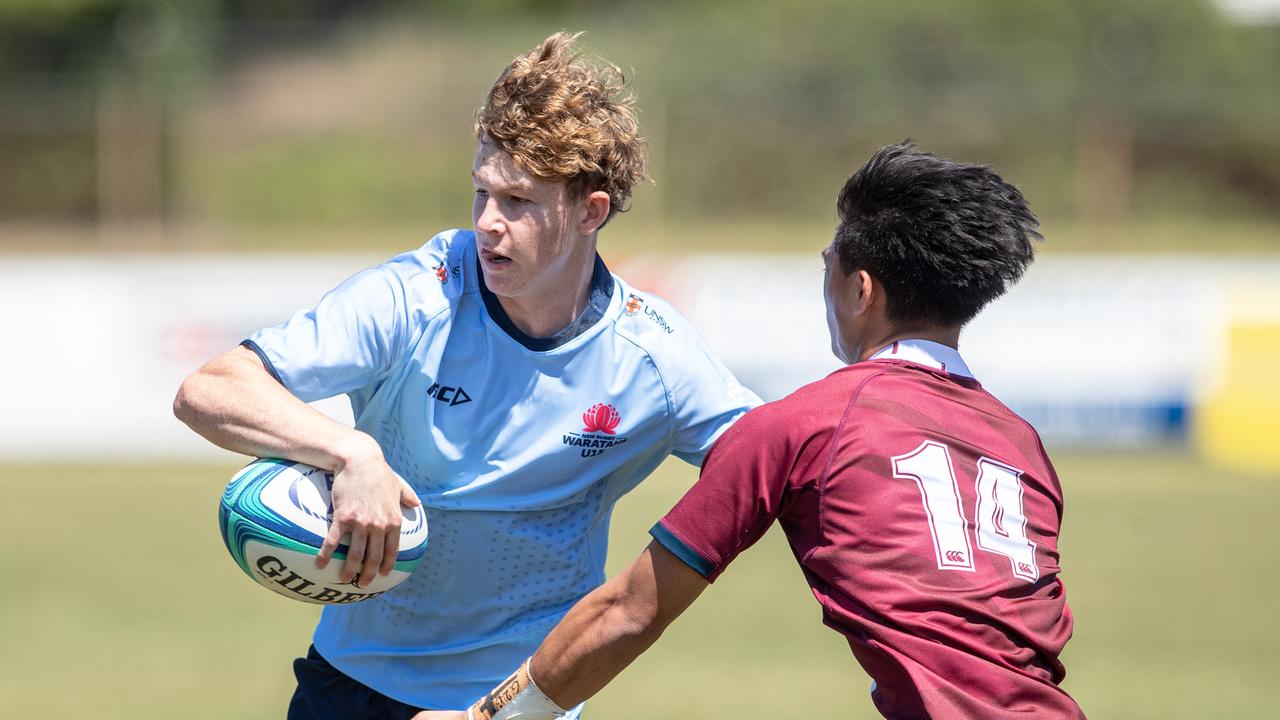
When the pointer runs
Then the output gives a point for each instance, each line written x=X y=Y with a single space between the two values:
x=597 y=303
x=927 y=353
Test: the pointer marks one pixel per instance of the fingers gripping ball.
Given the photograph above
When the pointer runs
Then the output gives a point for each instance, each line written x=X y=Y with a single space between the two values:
x=275 y=515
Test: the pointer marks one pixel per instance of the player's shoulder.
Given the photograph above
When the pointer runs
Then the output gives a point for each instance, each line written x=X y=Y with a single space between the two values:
x=933 y=390
x=822 y=403
x=684 y=362
x=656 y=328
x=819 y=408
x=651 y=322
x=850 y=378
x=878 y=377
x=788 y=422
x=434 y=274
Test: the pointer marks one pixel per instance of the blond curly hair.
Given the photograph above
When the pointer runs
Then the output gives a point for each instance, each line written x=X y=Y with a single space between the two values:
x=562 y=118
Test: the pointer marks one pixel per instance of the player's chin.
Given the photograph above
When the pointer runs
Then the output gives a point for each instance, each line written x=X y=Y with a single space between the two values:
x=501 y=278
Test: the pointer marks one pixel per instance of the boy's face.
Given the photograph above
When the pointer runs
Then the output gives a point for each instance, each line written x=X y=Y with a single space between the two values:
x=531 y=233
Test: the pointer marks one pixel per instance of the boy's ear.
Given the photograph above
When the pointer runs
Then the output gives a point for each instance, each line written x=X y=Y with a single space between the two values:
x=867 y=290
x=598 y=205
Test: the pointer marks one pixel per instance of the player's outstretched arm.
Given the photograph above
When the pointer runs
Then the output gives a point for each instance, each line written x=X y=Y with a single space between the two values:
x=599 y=637
x=235 y=403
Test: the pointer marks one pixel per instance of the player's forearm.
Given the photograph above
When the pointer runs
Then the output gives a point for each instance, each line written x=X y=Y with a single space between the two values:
x=595 y=642
x=235 y=404
x=600 y=637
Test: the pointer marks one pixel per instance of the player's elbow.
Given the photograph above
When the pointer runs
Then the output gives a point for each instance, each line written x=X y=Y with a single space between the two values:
x=199 y=394
x=205 y=391
x=191 y=399
x=634 y=620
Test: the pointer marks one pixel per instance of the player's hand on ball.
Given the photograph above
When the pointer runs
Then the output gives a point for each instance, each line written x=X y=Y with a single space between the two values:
x=440 y=715
x=367 y=496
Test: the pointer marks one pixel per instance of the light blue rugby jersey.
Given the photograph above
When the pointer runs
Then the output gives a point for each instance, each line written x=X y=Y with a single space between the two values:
x=517 y=451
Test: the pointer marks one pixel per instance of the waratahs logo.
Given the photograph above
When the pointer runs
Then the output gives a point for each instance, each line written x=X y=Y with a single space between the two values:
x=599 y=425
x=601 y=418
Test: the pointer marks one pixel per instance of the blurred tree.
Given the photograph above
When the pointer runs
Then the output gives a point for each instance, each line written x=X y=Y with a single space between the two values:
x=1103 y=109
x=1123 y=81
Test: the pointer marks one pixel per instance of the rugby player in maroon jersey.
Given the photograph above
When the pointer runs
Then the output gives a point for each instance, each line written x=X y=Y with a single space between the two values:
x=923 y=512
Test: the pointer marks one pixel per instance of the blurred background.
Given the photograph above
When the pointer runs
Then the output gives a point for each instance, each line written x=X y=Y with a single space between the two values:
x=176 y=175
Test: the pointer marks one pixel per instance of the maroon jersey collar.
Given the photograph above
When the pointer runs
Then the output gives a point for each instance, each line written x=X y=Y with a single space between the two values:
x=927 y=353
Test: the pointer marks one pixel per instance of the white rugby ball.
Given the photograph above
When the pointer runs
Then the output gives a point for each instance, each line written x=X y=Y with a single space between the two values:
x=275 y=515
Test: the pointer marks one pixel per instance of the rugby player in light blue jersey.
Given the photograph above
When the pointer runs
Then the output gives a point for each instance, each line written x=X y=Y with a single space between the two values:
x=516 y=384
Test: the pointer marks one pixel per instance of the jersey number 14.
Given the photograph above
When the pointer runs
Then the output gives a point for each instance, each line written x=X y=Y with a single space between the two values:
x=1001 y=522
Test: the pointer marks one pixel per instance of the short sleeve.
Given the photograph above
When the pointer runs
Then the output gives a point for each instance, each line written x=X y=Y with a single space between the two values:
x=737 y=497
x=349 y=340
x=706 y=399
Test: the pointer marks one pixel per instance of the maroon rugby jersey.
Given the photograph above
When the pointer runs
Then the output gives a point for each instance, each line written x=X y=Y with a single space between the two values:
x=925 y=516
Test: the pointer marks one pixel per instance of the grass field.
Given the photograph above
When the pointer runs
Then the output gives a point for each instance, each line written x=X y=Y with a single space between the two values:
x=119 y=601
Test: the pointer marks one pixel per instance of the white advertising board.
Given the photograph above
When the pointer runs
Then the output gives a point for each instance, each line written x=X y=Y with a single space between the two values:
x=1093 y=350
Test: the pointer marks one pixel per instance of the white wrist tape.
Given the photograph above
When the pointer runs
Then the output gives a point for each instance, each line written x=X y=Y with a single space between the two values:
x=517 y=698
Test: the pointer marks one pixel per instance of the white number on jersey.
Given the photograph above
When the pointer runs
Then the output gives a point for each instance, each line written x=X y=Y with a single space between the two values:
x=1001 y=522
x=930 y=466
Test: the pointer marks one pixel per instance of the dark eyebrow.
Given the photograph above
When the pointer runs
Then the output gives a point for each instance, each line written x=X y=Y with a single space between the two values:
x=519 y=187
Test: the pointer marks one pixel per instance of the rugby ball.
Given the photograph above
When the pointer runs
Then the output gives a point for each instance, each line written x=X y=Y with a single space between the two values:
x=275 y=515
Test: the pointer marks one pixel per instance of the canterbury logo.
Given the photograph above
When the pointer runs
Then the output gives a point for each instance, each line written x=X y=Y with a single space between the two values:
x=601 y=418
x=955 y=556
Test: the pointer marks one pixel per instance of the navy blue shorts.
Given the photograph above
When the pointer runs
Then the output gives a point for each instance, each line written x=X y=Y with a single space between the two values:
x=324 y=693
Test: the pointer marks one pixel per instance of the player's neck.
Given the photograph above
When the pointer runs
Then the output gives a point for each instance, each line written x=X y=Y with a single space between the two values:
x=949 y=336
x=548 y=312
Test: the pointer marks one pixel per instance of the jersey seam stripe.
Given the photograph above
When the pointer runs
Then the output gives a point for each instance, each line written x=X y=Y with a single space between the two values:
x=667 y=538
x=666 y=391
x=412 y=335
x=417 y=336
x=1057 y=500
x=831 y=454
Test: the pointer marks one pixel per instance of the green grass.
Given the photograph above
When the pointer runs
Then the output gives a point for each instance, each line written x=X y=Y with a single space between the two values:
x=141 y=614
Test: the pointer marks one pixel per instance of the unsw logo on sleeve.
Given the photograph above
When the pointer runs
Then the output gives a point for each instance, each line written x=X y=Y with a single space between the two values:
x=598 y=425
x=635 y=303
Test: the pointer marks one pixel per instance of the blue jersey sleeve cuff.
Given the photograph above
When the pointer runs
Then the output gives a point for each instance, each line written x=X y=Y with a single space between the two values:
x=266 y=361
x=677 y=547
